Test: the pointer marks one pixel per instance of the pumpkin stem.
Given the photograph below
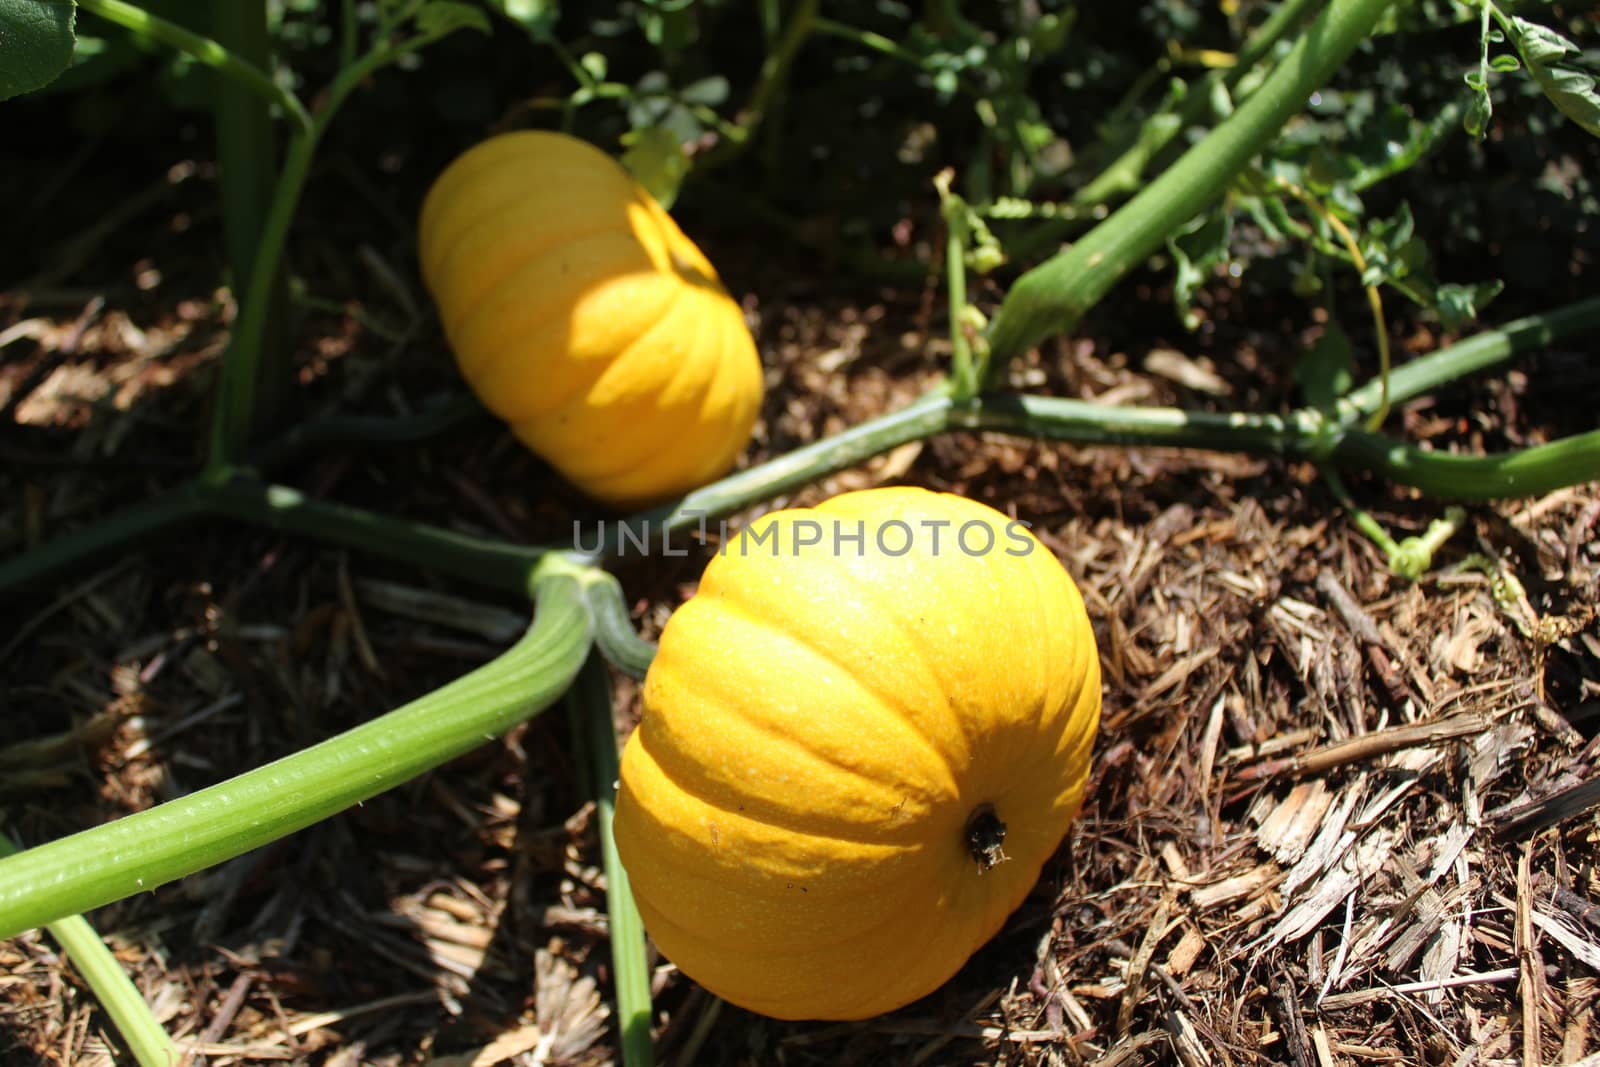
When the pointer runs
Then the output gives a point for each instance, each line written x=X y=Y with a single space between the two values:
x=985 y=834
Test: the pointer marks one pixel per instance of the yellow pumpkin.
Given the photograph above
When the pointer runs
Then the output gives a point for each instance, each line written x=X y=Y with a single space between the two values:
x=861 y=740
x=581 y=315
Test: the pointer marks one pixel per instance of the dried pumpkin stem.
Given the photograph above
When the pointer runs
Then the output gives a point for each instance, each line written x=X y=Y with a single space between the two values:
x=148 y=849
x=985 y=836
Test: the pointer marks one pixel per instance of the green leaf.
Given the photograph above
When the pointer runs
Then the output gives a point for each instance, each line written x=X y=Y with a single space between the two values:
x=1570 y=89
x=1459 y=305
x=1479 y=111
x=657 y=161
x=709 y=92
x=1326 y=372
x=538 y=17
x=439 y=17
x=1197 y=253
x=1392 y=249
x=35 y=43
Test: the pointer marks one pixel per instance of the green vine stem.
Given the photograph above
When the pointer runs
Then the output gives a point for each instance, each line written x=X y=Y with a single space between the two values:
x=921 y=418
x=1528 y=472
x=112 y=987
x=204 y=50
x=1152 y=139
x=247 y=155
x=1052 y=297
x=509 y=567
x=589 y=707
x=774 y=72
x=614 y=634
x=346 y=430
x=1411 y=558
x=1300 y=433
x=1470 y=355
x=484 y=561
x=151 y=848
x=61 y=553
x=233 y=416
x=963 y=372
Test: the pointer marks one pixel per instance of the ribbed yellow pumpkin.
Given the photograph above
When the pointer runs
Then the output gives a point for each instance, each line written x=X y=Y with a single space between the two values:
x=581 y=315
x=861 y=740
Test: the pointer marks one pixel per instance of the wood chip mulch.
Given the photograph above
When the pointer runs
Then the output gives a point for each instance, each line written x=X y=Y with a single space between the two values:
x=1336 y=818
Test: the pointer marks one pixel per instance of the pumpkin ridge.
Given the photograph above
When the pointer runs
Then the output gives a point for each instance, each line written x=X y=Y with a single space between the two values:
x=460 y=312
x=813 y=942
x=615 y=464
x=1053 y=700
x=949 y=788
x=728 y=394
x=801 y=825
x=477 y=365
x=1082 y=667
x=603 y=468
x=1061 y=704
x=777 y=1006
x=726 y=401
x=483 y=221
x=482 y=209
x=919 y=645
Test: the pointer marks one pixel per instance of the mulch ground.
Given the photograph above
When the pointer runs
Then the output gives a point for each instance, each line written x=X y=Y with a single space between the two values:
x=1336 y=817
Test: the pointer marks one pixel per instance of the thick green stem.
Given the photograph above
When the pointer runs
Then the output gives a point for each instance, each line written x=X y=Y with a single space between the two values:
x=234 y=412
x=1153 y=140
x=921 y=418
x=1052 y=297
x=247 y=156
x=1472 y=354
x=963 y=372
x=589 y=708
x=488 y=562
x=66 y=551
x=1083 y=422
x=343 y=431
x=203 y=49
x=112 y=987
x=507 y=567
x=1527 y=472
x=149 y=849
x=614 y=634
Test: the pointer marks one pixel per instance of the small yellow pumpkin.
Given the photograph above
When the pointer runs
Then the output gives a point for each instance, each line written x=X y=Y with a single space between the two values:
x=581 y=315
x=861 y=740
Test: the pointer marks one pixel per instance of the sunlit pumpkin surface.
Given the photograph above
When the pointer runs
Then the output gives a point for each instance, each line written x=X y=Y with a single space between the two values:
x=803 y=806
x=581 y=315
